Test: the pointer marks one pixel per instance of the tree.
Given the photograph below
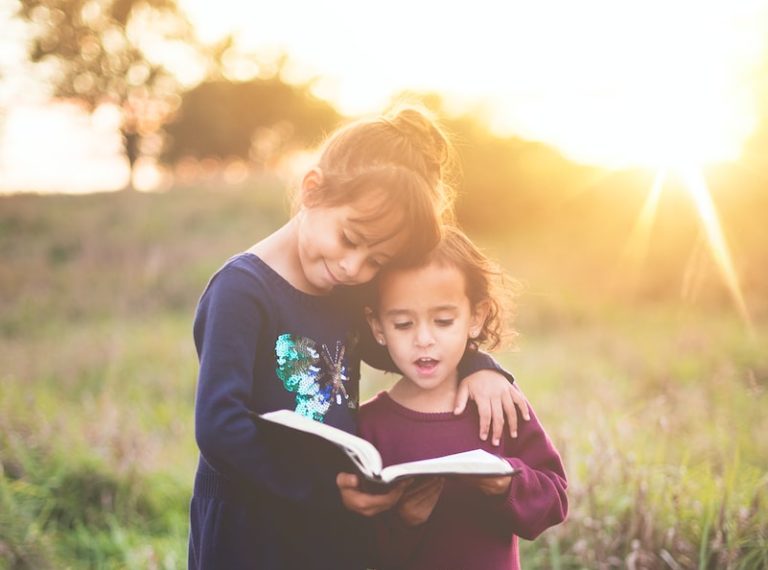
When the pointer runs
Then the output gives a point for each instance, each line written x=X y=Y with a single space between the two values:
x=98 y=52
x=253 y=119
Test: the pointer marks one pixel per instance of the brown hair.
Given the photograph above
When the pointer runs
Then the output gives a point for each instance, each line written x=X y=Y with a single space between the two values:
x=400 y=160
x=484 y=281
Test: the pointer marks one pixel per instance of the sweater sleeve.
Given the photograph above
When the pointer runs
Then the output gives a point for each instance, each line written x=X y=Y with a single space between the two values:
x=229 y=325
x=537 y=497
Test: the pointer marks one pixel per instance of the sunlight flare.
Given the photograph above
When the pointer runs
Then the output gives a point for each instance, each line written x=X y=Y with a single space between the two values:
x=697 y=187
x=637 y=245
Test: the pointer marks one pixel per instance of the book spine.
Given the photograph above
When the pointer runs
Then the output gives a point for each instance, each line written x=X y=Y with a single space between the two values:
x=372 y=486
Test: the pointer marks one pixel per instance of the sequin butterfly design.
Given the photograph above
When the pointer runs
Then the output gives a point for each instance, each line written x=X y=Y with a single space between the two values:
x=318 y=377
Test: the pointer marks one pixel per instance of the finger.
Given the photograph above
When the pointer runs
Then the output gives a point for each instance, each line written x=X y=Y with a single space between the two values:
x=484 y=411
x=510 y=411
x=413 y=493
x=497 y=415
x=346 y=481
x=426 y=494
x=521 y=402
x=418 y=484
x=461 y=399
x=435 y=485
x=374 y=504
x=437 y=489
x=416 y=493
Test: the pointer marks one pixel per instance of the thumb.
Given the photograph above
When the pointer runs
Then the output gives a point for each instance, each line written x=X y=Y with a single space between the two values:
x=461 y=399
x=346 y=481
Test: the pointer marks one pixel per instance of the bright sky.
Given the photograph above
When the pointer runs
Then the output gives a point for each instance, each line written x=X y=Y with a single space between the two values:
x=611 y=82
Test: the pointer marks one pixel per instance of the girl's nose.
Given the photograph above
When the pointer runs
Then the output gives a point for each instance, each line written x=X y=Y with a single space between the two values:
x=351 y=264
x=424 y=337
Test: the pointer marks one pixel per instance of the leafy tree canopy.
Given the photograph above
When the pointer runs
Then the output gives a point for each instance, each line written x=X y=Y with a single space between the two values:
x=110 y=52
x=249 y=119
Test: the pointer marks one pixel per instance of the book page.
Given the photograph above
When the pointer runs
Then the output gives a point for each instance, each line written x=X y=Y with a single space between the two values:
x=475 y=462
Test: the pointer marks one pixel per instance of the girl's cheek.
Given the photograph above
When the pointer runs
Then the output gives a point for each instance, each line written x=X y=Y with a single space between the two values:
x=369 y=274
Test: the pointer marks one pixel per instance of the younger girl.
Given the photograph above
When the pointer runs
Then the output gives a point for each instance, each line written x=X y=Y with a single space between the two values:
x=429 y=315
x=277 y=327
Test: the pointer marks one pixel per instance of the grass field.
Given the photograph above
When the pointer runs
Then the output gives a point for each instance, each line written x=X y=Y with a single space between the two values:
x=658 y=405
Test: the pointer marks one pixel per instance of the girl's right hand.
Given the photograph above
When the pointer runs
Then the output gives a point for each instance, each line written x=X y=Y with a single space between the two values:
x=363 y=503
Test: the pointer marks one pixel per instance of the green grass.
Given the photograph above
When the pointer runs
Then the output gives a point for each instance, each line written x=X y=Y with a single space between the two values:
x=658 y=405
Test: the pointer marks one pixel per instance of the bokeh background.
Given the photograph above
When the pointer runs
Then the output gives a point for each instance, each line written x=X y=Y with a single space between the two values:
x=614 y=159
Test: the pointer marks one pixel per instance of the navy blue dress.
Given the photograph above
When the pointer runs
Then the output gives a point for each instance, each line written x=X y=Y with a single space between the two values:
x=264 y=345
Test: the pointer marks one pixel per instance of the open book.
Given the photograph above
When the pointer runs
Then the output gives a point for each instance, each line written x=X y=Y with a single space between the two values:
x=367 y=460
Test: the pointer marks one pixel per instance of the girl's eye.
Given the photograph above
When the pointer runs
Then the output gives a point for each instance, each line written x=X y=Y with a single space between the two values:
x=443 y=322
x=375 y=263
x=346 y=241
x=402 y=326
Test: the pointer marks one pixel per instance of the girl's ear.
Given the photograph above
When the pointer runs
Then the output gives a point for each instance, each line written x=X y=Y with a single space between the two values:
x=376 y=328
x=477 y=320
x=311 y=186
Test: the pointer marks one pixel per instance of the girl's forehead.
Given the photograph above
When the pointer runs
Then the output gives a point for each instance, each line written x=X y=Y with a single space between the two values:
x=434 y=279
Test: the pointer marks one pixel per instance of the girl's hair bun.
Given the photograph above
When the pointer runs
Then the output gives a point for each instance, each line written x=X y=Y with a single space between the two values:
x=422 y=132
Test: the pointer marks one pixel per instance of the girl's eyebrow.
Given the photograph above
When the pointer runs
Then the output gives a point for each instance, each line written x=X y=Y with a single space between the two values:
x=370 y=240
x=397 y=312
x=445 y=308
x=406 y=312
x=367 y=239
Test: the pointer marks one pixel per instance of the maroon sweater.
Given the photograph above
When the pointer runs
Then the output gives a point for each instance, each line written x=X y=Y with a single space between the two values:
x=466 y=529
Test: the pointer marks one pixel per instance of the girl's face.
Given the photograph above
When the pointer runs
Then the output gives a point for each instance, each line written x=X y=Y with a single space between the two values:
x=425 y=319
x=336 y=249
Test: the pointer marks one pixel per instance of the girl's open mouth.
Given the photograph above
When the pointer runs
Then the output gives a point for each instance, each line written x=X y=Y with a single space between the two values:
x=426 y=365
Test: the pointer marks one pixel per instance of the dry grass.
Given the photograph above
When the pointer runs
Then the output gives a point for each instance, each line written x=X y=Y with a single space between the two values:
x=657 y=405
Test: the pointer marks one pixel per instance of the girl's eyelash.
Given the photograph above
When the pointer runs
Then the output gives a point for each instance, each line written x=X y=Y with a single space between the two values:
x=346 y=240
x=402 y=326
x=444 y=322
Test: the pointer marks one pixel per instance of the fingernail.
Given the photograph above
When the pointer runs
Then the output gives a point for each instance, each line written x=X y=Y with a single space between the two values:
x=495 y=442
x=483 y=436
x=514 y=434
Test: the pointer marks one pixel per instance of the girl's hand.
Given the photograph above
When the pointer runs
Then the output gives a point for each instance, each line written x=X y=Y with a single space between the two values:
x=363 y=503
x=491 y=485
x=419 y=500
x=495 y=397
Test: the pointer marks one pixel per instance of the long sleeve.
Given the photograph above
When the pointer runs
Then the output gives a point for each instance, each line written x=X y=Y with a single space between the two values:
x=229 y=328
x=537 y=497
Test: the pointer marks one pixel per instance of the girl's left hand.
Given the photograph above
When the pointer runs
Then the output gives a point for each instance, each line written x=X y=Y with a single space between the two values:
x=364 y=503
x=495 y=398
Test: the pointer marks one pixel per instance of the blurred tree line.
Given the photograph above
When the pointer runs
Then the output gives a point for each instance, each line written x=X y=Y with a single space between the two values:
x=118 y=52
x=95 y=52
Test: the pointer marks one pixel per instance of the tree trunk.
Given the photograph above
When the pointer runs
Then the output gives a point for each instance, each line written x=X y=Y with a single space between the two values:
x=131 y=140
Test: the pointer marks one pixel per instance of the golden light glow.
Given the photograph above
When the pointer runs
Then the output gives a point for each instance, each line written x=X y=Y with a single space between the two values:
x=697 y=187
x=609 y=82
x=636 y=248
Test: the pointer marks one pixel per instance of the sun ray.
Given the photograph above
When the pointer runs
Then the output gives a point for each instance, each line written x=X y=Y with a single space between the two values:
x=696 y=185
x=636 y=248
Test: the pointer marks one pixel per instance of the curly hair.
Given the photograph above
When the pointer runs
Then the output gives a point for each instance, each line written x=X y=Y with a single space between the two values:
x=484 y=282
